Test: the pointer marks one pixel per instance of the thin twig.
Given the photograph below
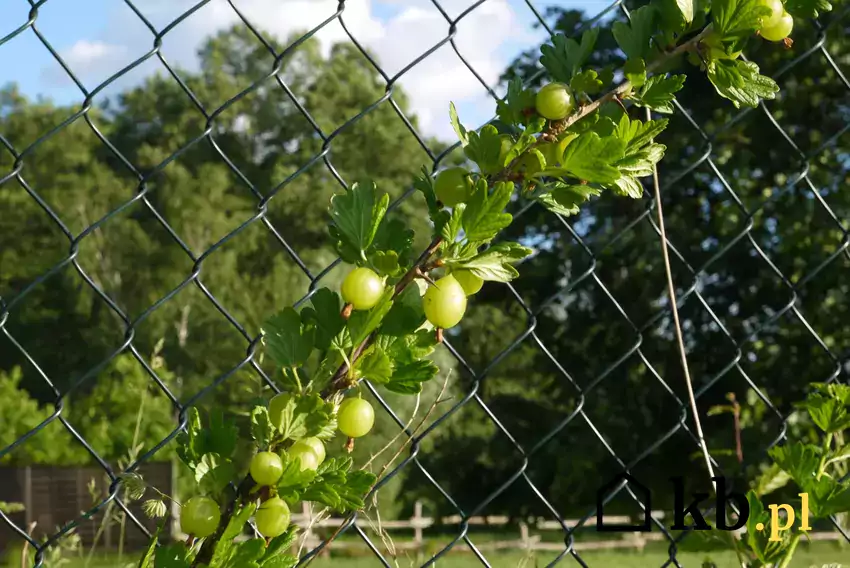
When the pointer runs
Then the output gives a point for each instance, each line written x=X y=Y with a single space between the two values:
x=671 y=291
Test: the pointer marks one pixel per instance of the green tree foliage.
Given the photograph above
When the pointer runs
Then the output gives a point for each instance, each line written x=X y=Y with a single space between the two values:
x=124 y=400
x=68 y=329
x=21 y=414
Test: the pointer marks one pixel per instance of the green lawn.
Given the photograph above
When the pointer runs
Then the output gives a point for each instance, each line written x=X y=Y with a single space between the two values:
x=808 y=556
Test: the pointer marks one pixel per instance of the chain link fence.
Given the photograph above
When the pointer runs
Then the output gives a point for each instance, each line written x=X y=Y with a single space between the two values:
x=691 y=294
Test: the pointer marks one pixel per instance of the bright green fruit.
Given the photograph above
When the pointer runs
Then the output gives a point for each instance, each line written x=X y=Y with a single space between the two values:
x=272 y=517
x=355 y=417
x=470 y=282
x=554 y=101
x=362 y=288
x=314 y=444
x=776 y=11
x=305 y=454
x=266 y=468
x=199 y=517
x=445 y=302
x=781 y=30
x=453 y=186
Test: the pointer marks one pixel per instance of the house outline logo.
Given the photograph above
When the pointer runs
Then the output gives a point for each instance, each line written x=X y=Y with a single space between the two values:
x=646 y=526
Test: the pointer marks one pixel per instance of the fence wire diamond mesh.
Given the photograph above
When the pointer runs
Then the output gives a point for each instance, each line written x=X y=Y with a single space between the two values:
x=530 y=335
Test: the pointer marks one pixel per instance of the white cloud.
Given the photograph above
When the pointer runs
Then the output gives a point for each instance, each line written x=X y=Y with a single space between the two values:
x=403 y=32
x=93 y=57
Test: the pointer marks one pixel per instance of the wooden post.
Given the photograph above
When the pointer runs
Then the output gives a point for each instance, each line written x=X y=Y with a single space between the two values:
x=417 y=525
x=308 y=520
x=28 y=512
x=174 y=526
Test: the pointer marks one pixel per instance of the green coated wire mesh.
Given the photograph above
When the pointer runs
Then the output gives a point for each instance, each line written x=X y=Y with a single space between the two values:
x=704 y=165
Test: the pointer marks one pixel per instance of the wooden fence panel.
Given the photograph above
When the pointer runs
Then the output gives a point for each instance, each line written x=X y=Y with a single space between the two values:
x=53 y=496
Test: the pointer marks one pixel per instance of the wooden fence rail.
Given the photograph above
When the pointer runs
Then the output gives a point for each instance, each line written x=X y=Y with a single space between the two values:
x=525 y=539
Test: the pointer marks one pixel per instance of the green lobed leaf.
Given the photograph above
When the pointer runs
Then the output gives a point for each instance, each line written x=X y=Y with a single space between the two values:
x=279 y=544
x=338 y=488
x=640 y=163
x=757 y=540
x=357 y=214
x=807 y=9
x=627 y=186
x=262 y=429
x=363 y=322
x=826 y=496
x=564 y=199
x=409 y=377
x=323 y=493
x=393 y=236
x=247 y=553
x=282 y=561
x=190 y=442
x=591 y=158
x=406 y=314
x=635 y=71
x=634 y=37
x=374 y=365
x=828 y=414
x=525 y=141
x=386 y=263
x=831 y=390
x=737 y=18
x=671 y=19
x=740 y=82
x=287 y=340
x=485 y=215
x=294 y=480
x=451 y=229
x=408 y=348
x=637 y=134
x=357 y=484
x=302 y=416
x=565 y=56
x=657 y=93
x=586 y=82
x=214 y=473
x=324 y=316
x=773 y=478
x=495 y=263
x=514 y=109
x=484 y=148
x=222 y=434
x=225 y=545
x=799 y=460
x=461 y=132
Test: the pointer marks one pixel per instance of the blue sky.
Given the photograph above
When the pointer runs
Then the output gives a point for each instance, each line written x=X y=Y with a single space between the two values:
x=99 y=37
